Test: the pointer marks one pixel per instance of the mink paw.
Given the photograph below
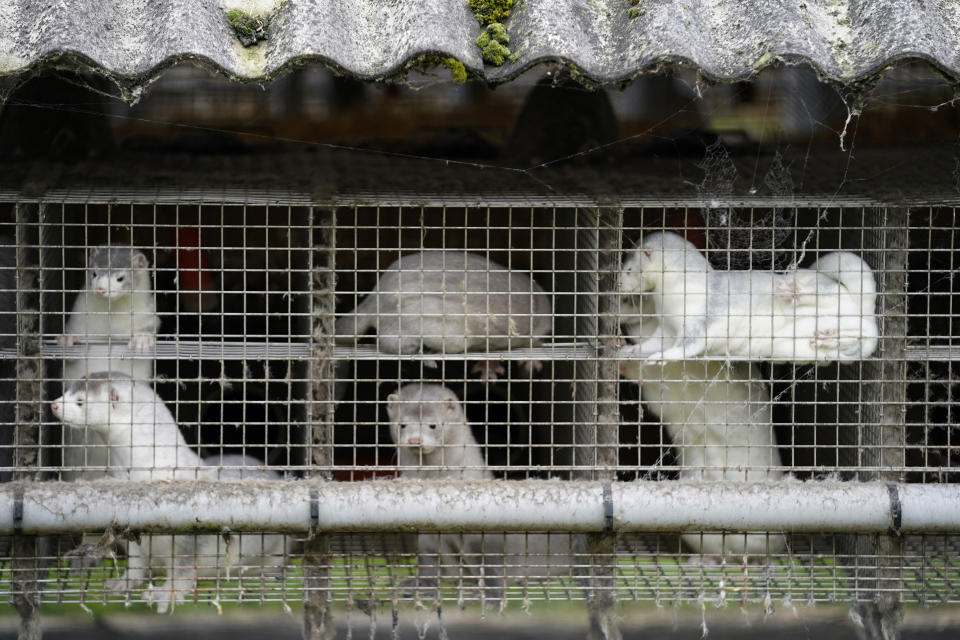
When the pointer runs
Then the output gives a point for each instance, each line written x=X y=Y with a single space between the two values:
x=786 y=289
x=142 y=342
x=531 y=366
x=824 y=339
x=163 y=597
x=488 y=369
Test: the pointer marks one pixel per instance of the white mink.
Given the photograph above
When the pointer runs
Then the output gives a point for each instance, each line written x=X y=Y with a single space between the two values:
x=117 y=307
x=809 y=315
x=835 y=300
x=434 y=441
x=719 y=418
x=144 y=443
x=451 y=301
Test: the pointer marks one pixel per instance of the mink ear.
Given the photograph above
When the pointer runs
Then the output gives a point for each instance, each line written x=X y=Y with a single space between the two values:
x=139 y=261
x=92 y=253
x=392 y=400
x=452 y=405
x=114 y=398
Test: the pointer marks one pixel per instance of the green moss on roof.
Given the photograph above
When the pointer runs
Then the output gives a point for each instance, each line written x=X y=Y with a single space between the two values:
x=249 y=29
x=493 y=40
x=493 y=43
x=458 y=72
x=491 y=11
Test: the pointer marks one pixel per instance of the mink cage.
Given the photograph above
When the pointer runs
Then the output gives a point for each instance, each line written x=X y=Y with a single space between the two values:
x=588 y=485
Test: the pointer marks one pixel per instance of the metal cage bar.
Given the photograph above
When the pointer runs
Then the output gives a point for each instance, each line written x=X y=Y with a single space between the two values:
x=857 y=409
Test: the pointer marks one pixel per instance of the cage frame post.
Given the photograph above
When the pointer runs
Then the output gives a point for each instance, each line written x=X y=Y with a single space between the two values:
x=881 y=441
x=317 y=615
x=27 y=563
x=598 y=246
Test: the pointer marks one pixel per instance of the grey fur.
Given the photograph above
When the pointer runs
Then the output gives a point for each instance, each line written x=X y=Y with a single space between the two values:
x=430 y=429
x=450 y=301
x=446 y=444
x=95 y=382
x=117 y=259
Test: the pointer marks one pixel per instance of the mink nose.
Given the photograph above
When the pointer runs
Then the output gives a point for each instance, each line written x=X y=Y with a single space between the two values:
x=100 y=291
x=413 y=440
x=55 y=407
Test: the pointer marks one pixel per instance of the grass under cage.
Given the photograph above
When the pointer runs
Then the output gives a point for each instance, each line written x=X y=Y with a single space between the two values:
x=388 y=582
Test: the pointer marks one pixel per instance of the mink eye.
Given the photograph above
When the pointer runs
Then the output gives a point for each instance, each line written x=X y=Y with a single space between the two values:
x=93 y=275
x=119 y=278
x=79 y=402
x=433 y=426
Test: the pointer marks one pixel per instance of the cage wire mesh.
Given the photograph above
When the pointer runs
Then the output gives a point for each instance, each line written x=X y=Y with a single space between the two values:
x=462 y=344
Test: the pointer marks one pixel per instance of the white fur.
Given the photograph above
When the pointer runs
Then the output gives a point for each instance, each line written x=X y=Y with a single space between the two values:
x=719 y=418
x=820 y=314
x=434 y=441
x=450 y=302
x=117 y=308
x=144 y=443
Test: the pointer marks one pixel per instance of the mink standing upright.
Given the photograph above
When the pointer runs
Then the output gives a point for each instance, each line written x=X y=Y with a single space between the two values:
x=719 y=416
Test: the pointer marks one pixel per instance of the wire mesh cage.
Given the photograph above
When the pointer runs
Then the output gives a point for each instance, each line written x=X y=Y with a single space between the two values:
x=395 y=403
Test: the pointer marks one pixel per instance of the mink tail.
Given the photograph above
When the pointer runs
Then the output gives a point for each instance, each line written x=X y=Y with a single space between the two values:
x=351 y=326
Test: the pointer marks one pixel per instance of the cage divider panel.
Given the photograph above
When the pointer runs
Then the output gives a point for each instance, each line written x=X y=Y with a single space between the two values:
x=880 y=421
x=597 y=411
x=317 y=595
x=30 y=555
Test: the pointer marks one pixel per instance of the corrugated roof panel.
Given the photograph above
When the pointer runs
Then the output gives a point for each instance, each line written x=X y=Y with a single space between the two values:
x=134 y=40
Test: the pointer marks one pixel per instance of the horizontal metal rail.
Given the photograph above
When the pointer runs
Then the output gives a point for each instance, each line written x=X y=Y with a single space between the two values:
x=300 y=506
x=216 y=195
x=276 y=350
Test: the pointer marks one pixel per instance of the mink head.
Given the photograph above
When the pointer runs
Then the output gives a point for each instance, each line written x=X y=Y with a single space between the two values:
x=632 y=278
x=425 y=417
x=95 y=401
x=668 y=255
x=113 y=272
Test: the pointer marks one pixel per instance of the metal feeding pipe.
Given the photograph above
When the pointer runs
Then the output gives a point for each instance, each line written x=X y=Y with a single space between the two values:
x=299 y=506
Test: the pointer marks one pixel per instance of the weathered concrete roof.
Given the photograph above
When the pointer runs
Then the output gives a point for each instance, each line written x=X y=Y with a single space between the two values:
x=133 y=41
